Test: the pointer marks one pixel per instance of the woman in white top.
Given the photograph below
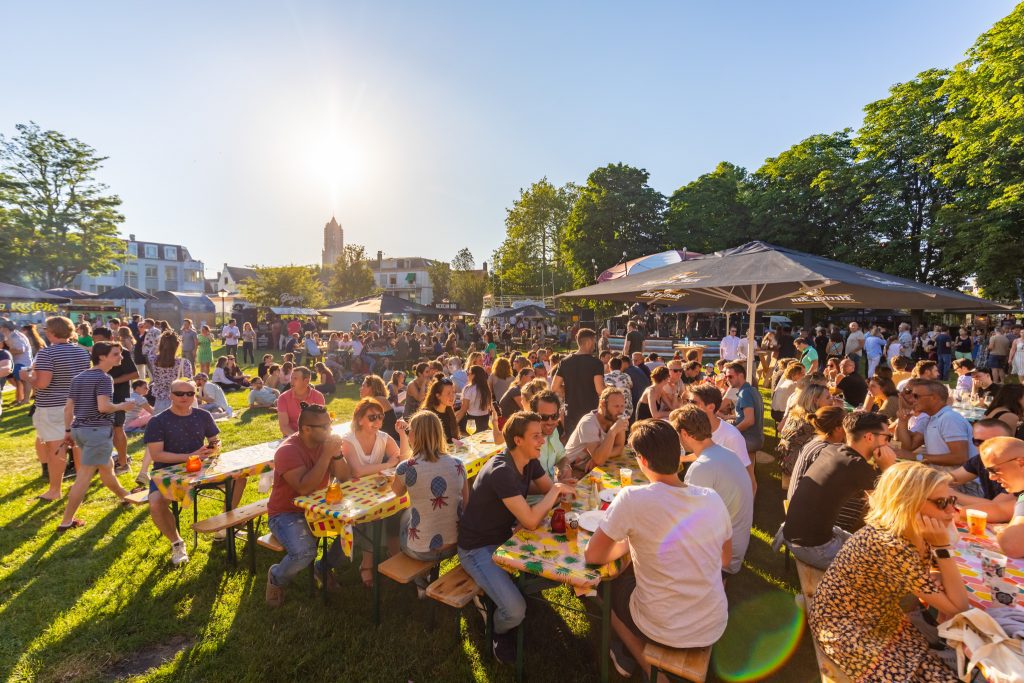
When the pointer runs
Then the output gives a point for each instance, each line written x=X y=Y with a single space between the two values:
x=790 y=376
x=368 y=450
x=476 y=400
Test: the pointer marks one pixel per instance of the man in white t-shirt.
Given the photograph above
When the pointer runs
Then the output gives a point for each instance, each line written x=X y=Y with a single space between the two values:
x=210 y=397
x=600 y=434
x=229 y=334
x=708 y=398
x=729 y=348
x=664 y=580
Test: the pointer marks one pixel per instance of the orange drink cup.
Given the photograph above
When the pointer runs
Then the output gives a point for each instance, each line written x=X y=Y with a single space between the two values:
x=976 y=521
x=572 y=526
x=625 y=476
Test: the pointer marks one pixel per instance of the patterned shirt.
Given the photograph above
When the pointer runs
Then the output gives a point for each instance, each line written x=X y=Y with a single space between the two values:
x=620 y=380
x=86 y=388
x=435 y=501
x=66 y=361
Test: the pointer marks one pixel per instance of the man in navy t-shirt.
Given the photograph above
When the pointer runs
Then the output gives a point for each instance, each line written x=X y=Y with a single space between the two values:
x=171 y=437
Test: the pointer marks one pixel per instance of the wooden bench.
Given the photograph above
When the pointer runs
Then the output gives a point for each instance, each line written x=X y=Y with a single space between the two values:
x=810 y=577
x=455 y=588
x=227 y=521
x=690 y=664
x=404 y=569
x=139 y=497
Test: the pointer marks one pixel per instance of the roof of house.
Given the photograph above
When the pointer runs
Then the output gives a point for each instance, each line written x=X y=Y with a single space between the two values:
x=409 y=263
x=240 y=274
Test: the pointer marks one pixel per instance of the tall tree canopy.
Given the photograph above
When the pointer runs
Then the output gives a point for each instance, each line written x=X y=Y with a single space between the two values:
x=56 y=219
x=617 y=211
x=351 y=277
x=985 y=166
x=530 y=256
x=468 y=285
x=284 y=286
x=899 y=148
x=712 y=212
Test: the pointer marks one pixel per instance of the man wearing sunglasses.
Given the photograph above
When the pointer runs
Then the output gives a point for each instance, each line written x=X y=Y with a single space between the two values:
x=945 y=434
x=996 y=503
x=1003 y=458
x=549 y=407
x=840 y=472
x=171 y=437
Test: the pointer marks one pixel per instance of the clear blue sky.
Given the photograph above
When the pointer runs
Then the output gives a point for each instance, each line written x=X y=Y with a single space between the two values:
x=238 y=129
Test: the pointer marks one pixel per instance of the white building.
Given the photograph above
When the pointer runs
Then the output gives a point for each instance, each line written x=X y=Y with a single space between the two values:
x=151 y=266
x=405 y=277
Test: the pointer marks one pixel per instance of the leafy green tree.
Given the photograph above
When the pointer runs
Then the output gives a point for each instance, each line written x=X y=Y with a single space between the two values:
x=351 y=277
x=985 y=165
x=440 y=274
x=533 y=237
x=710 y=213
x=56 y=218
x=283 y=286
x=468 y=285
x=899 y=148
x=616 y=212
x=808 y=198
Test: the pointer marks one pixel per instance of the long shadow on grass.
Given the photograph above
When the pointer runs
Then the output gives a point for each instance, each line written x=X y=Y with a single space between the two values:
x=21 y=491
x=55 y=586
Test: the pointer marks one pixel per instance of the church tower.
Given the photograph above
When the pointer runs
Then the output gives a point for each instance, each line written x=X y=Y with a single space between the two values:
x=334 y=243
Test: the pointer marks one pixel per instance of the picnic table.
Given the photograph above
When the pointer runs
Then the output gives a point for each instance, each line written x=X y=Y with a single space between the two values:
x=972 y=413
x=179 y=486
x=552 y=556
x=369 y=500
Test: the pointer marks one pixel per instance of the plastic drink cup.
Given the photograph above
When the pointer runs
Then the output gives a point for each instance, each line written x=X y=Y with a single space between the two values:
x=572 y=526
x=993 y=566
x=976 y=521
x=625 y=476
x=333 y=495
x=566 y=501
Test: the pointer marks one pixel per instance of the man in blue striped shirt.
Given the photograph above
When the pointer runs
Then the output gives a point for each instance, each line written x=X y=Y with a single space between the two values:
x=89 y=424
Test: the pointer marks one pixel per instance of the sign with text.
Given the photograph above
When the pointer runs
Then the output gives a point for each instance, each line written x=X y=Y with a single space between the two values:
x=27 y=307
x=447 y=305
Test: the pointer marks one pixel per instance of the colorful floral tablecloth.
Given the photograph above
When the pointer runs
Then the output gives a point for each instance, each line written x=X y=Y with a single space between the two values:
x=969 y=563
x=174 y=483
x=367 y=499
x=553 y=556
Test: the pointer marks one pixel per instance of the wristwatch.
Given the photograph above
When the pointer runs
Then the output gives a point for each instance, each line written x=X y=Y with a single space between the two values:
x=919 y=457
x=941 y=553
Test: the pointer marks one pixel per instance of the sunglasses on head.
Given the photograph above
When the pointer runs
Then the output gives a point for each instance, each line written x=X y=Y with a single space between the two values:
x=943 y=503
x=184 y=393
x=311 y=407
x=446 y=381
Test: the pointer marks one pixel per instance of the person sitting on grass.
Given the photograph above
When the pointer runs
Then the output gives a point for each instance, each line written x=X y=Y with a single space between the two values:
x=902 y=550
x=89 y=420
x=171 y=437
x=211 y=398
x=138 y=414
x=220 y=376
x=327 y=383
x=303 y=463
x=262 y=396
x=438 y=489
x=497 y=503
x=288 y=403
x=664 y=580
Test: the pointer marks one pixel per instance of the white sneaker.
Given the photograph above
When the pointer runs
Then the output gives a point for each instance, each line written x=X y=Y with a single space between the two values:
x=178 y=554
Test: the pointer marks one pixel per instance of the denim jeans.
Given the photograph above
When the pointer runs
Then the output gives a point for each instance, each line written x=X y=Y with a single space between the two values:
x=510 y=605
x=291 y=529
x=819 y=556
x=945 y=361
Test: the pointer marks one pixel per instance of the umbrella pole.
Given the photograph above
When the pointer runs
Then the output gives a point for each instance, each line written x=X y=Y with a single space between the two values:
x=751 y=349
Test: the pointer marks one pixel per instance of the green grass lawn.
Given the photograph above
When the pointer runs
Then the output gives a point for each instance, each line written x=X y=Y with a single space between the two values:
x=104 y=603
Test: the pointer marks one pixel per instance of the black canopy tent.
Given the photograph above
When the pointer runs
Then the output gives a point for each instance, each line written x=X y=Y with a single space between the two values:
x=380 y=304
x=759 y=275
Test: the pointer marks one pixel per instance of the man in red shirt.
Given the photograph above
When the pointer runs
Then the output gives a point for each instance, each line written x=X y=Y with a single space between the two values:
x=289 y=403
x=302 y=464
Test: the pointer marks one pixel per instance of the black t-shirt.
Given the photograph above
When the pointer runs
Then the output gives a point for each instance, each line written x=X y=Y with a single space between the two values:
x=507 y=404
x=636 y=341
x=449 y=422
x=5 y=355
x=990 y=488
x=486 y=520
x=578 y=372
x=942 y=343
x=127 y=367
x=838 y=474
x=963 y=345
x=787 y=349
x=854 y=388
x=820 y=344
x=990 y=390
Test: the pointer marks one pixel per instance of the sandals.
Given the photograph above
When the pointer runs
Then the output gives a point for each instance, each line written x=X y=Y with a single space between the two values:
x=75 y=524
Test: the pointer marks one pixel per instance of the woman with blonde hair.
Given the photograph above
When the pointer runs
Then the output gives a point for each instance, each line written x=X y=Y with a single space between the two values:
x=792 y=373
x=438 y=491
x=856 y=615
x=373 y=387
x=797 y=431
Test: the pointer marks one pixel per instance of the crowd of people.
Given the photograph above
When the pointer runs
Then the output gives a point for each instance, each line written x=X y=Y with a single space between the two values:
x=874 y=467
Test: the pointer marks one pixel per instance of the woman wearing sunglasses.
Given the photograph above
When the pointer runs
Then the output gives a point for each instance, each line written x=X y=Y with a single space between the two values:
x=856 y=615
x=368 y=450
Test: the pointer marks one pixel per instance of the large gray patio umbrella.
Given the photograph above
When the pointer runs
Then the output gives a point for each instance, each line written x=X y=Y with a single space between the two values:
x=9 y=292
x=759 y=275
